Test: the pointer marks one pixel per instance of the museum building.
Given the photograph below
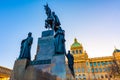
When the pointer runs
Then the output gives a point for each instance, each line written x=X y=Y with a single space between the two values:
x=4 y=73
x=86 y=68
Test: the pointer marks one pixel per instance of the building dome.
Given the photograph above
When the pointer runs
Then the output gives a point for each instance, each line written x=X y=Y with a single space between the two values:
x=76 y=44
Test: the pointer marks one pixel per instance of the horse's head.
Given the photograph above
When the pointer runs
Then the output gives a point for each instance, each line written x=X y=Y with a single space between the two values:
x=47 y=9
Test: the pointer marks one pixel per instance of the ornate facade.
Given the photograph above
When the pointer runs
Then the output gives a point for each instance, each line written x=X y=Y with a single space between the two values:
x=91 y=68
x=4 y=73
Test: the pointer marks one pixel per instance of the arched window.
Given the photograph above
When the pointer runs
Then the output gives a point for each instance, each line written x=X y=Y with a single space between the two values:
x=110 y=76
x=103 y=63
x=100 y=69
x=98 y=63
x=75 y=70
x=92 y=69
x=83 y=70
x=88 y=69
x=84 y=77
x=78 y=69
x=91 y=64
x=73 y=52
x=86 y=63
x=96 y=70
x=106 y=76
x=94 y=63
x=108 y=69
x=102 y=76
x=80 y=51
x=76 y=51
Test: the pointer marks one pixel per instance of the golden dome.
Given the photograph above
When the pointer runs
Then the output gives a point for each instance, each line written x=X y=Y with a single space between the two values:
x=76 y=44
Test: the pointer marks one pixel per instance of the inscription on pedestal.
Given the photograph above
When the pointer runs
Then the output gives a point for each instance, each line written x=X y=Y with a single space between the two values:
x=40 y=62
x=46 y=48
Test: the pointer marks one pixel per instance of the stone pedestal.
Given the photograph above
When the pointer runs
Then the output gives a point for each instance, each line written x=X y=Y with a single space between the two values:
x=19 y=69
x=46 y=58
x=23 y=71
x=45 y=48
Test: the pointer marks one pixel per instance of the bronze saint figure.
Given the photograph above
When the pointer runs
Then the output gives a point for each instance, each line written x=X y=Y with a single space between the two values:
x=26 y=47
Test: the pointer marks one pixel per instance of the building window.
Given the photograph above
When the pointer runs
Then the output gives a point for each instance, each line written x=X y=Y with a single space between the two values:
x=104 y=69
x=73 y=52
x=84 y=76
x=96 y=70
x=77 y=51
x=102 y=76
x=78 y=69
x=110 y=62
x=86 y=63
x=75 y=70
x=80 y=76
x=107 y=63
x=88 y=70
x=91 y=64
x=94 y=63
x=98 y=63
x=110 y=76
x=80 y=51
x=106 y=76
x=103 y=63
x=92 y=69
x=77 y=77
x=83 y=70
x=108 y=69
x=100 y=69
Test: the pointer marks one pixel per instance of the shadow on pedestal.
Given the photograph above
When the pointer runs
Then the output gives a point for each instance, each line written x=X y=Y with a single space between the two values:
x=24 y=71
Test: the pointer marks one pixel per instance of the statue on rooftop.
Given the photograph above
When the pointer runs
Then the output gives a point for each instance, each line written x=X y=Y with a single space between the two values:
x=26 y=47
x=70 y=62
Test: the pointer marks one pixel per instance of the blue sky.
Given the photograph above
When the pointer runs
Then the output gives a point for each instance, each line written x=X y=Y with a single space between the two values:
x=95 y=23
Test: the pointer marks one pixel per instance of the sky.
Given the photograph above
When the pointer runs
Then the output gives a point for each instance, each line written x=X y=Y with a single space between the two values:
x=95 y=24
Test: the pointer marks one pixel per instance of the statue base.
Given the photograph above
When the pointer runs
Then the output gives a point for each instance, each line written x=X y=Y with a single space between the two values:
x=46 y=58
x=19 y=69
x=23 y=70
x=45 y=66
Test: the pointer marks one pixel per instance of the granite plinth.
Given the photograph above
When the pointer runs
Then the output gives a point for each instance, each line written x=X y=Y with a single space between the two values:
x=59 y=68
x=23 y=71
x=45 y=48
x=46 y=53
x=56 y=68
x=19 y=69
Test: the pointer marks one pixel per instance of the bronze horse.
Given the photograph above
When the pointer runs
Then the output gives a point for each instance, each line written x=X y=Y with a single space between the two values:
x=52 y=20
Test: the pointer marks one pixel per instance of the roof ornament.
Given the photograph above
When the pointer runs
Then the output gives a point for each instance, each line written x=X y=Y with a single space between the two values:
x=75 y=40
